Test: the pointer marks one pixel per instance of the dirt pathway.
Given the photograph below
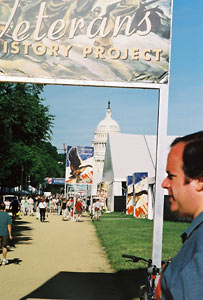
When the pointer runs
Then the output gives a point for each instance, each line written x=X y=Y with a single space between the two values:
x=56 y=260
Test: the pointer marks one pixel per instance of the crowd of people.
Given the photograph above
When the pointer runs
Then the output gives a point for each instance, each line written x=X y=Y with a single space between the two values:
x=70 y=208
x=41 y=207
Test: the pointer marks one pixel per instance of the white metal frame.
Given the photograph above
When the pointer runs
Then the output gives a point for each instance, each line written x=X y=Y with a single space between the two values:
x=160 y=173
x=55 y=81
x=161 y=141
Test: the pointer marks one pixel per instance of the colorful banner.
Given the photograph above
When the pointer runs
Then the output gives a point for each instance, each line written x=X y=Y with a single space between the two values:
x=129 y=195
x=102 y=193
x=86 y=40
x=140 y=181
x=79 y=165
x=58 y=181
x=102 y=190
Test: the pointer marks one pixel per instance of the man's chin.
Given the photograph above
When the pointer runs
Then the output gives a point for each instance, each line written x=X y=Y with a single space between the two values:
x=173 y=207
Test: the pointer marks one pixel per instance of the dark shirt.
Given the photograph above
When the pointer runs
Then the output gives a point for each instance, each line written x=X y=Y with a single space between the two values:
x=5 y=220
x=64 y=205
x=183 y=278
x=15 y=204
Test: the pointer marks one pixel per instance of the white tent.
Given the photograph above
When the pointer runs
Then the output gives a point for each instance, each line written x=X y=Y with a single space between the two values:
x=125 y=155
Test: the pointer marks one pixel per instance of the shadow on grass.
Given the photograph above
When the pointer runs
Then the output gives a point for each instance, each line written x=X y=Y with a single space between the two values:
x=123 y=285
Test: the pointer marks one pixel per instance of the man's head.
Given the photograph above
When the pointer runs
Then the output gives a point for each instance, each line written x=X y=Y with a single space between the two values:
x=192 y=155
x=185 y=175
x=2 y=206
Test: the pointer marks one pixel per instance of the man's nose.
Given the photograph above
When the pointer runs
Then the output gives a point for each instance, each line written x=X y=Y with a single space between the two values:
x=165 y=183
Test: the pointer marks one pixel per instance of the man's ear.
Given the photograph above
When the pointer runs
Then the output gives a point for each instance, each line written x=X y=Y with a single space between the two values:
x=199 y=185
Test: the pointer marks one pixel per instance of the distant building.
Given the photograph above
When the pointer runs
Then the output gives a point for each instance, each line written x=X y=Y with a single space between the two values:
x=119 y=155
x=106 y=126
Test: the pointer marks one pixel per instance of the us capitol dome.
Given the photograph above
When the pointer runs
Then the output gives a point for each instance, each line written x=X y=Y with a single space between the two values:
x=104 y=127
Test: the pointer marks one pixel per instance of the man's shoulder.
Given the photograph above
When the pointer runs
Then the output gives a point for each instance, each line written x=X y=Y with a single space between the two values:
x=5 y=215
x=195 y=227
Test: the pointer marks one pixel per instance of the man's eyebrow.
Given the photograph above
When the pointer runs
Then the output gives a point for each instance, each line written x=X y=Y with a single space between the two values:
x=170 y=174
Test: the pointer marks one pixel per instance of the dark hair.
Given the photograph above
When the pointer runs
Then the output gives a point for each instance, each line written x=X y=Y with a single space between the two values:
x=192 y=154
x=2 y=205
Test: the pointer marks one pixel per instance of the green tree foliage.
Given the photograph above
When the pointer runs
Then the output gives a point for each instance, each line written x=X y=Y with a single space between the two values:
x=25 y=132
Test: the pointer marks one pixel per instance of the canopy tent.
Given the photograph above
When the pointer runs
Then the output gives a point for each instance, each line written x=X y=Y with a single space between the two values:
x=127 y=154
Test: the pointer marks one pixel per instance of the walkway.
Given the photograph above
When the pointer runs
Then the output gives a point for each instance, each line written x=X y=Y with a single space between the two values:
x=56 y=260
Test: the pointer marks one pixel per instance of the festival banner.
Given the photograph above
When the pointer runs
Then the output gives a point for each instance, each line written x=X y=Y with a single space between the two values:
x=57 y=181
x=140 y=194
x=102 y=190
x=79 y=165
x=129 y=195
x=87 y=40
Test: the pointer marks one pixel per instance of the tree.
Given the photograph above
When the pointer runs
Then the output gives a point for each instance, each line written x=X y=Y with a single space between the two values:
x=25 y=131
x=23 y=114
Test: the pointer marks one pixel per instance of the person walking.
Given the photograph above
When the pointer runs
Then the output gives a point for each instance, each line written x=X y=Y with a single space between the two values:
x=22 y=206
x=78 y=209
x=183 y=277
x=97 y=209
x=64 y=209
x=42 y=209
x=7 y=205
x=5 y=231
x=59 y=206
x=30 y=206
x=26 y=205
x=15 y=207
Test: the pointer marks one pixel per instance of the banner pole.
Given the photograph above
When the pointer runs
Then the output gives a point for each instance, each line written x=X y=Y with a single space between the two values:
x=160 y=174
x=65 y=185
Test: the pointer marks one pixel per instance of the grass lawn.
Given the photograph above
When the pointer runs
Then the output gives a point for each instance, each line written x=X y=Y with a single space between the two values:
x=121 y=234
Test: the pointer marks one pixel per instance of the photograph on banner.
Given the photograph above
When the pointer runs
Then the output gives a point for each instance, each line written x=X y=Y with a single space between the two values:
x=129 y=195
x=79 y=165
x=102 y=192
x=87 y=40
x=140 y=194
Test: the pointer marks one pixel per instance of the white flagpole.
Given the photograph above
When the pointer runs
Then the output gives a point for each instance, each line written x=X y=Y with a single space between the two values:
x=65 y=185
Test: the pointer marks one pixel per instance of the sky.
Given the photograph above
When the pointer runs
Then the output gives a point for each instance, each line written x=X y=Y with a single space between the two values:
x=78 y=110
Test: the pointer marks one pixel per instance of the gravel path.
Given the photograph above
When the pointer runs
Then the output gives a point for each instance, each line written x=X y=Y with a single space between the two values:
x=56 y=260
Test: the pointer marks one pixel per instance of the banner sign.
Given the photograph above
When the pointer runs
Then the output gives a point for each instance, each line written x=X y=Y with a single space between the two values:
x=60 y=181
x=79 y=165
x=129 y=195
x=86 y=40
x=102 y=190
x=140 y=181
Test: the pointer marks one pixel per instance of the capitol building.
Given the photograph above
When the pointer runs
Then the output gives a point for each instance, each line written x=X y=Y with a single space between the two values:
x=106 y=126
x=118 y=156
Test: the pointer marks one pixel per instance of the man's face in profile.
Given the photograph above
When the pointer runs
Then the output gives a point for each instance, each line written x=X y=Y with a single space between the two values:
x=182 y=194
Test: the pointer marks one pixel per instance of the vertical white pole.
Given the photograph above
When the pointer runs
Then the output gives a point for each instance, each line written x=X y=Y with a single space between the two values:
x=126 y=195
x=91 y=198
x=65 y=185
x=160 y=173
